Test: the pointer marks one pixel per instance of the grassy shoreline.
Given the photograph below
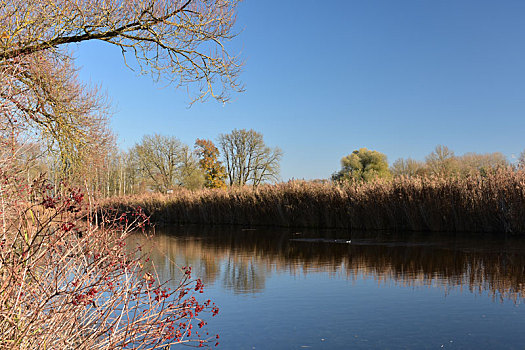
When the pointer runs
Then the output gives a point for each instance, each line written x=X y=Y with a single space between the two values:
x=494 y=203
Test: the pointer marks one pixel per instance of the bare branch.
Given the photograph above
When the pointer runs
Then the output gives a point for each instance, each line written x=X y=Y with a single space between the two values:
x=173 y=40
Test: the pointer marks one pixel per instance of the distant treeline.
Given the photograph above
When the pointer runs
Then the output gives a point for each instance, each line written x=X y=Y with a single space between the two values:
x=489 y=202
x=366 y=165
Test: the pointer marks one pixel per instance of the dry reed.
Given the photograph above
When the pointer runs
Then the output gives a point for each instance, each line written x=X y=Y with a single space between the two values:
x=491 y=203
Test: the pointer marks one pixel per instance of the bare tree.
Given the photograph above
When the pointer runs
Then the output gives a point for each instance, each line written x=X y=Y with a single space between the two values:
x=521 y=159
x=190 y=173
x=168 y=163
x=475 y=163
x=248 y=159
x=42 y=99
x=442 y=161
x=407 y=167
x=180 y=41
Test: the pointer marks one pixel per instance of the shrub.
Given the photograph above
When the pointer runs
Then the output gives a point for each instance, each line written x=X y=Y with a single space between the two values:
x=66 y=283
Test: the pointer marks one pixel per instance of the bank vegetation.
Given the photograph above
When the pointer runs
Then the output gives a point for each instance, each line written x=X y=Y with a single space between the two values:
x=492 y=202
x=66 y=279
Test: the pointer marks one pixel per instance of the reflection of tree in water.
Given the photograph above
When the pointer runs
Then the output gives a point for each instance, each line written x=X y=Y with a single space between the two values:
x=476 y=264
x=244 y=276
x=242 y=273
x=168 y=254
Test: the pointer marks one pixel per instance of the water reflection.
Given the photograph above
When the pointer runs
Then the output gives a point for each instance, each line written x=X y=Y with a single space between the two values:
x=242 y=260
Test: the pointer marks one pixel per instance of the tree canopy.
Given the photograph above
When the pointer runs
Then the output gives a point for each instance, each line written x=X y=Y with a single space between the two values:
x=363 y=165
x=248 y=159
x=168 y=163
x=181 y=41
x=214 y=171
x=407 y=167
x=521 y=159
x=442 y=161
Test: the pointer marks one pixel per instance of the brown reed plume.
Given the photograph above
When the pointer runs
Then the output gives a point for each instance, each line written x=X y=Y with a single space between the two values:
x=494 y=202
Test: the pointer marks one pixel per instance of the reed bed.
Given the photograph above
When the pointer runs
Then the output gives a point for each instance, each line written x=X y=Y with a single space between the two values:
x=491 y=203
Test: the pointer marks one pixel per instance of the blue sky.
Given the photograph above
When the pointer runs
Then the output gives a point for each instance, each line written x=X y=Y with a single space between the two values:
x=324 y=78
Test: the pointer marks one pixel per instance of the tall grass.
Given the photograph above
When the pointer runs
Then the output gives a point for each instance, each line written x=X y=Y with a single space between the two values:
x=491 y=203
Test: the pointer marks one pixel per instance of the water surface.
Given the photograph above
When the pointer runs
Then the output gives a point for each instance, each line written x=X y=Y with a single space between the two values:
x=282 y=289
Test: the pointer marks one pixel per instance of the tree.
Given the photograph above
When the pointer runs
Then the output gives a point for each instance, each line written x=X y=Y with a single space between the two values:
x=167 y=163
x=363 y=165
x=442 y=161
x=248 y=159
x=191 y=176
x=182 y=41
x=475 y=163
x=43 y=101
x=407 y=167
x=129 y=172
x=521 y=159
x=209 y=162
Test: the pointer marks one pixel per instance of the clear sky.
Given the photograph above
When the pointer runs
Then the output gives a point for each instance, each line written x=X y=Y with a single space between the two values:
x=324 y=78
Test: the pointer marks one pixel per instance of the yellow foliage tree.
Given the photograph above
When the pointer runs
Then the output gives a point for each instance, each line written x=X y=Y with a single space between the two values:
x=214 y=171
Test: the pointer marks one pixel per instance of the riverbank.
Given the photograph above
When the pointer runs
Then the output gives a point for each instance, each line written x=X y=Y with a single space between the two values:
x=493 y=203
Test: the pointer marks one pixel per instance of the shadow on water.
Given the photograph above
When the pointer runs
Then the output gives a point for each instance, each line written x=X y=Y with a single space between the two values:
x=242 y=259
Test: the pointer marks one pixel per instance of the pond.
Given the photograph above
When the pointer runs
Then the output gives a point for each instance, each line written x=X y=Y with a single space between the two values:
x=300 y=289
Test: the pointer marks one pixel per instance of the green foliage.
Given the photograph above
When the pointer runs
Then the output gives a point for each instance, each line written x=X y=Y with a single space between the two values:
x=363 y=165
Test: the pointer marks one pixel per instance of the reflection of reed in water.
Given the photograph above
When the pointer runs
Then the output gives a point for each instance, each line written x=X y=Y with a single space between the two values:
x=241 y=260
